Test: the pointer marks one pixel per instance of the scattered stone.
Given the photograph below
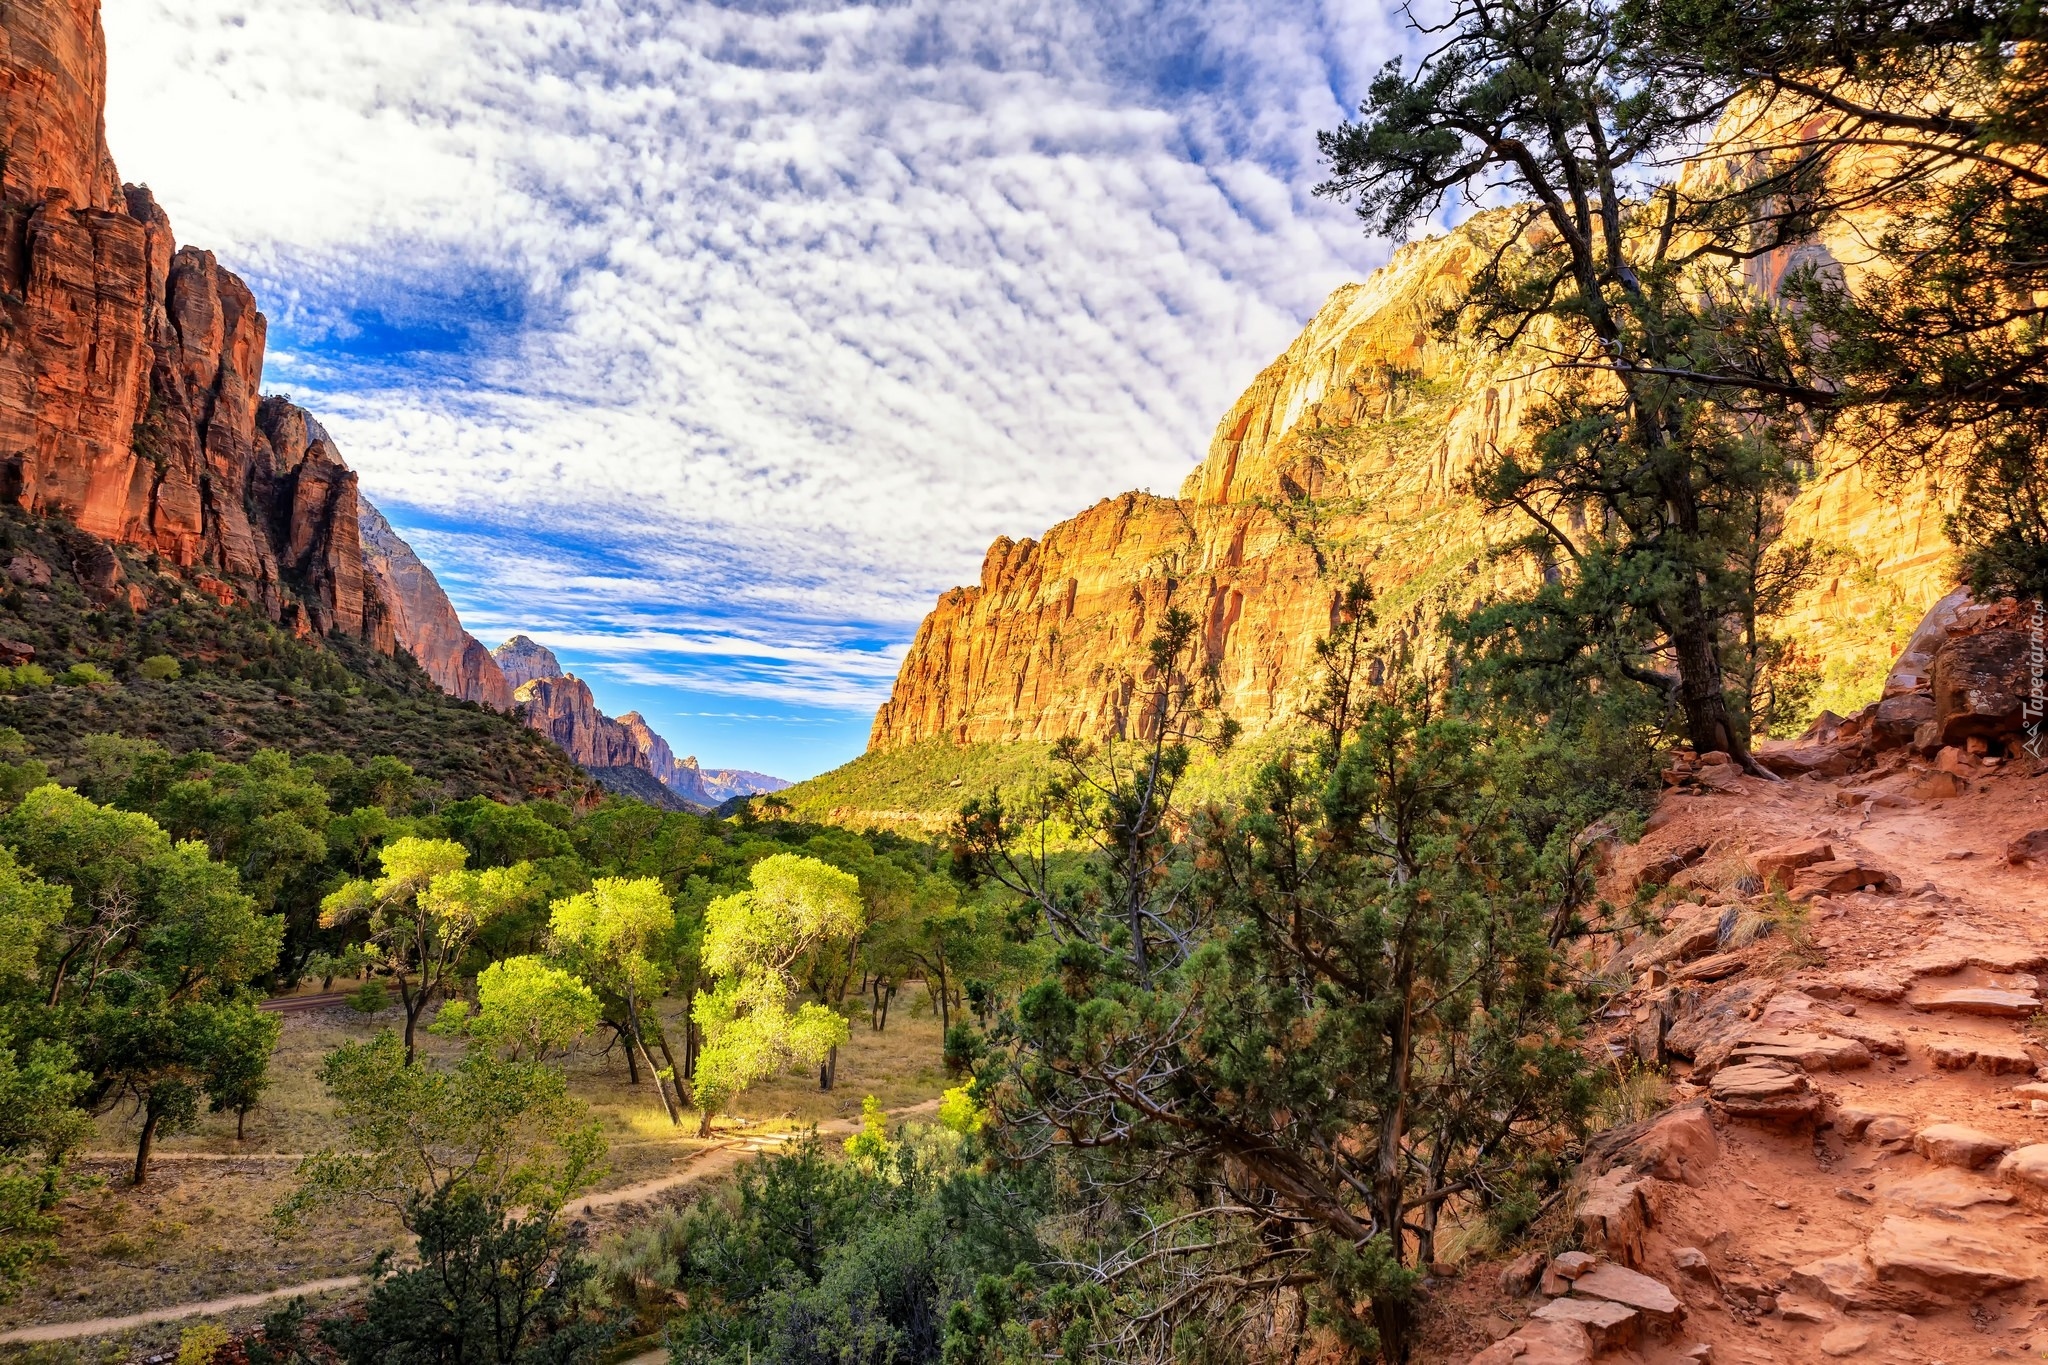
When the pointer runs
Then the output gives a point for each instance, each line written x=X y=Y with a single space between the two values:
x=1610 y=1326
x=1890 y=1130
x=1937 y=786
x=1989 y=1001
x=1776 y=865
x=1994 y=1057
x=1867 y=984
x=1699 y=1352
x=2031 y=1090
x=1572 y=1264
x=1957 y=1144
x=2028 y=847
x=1765 y=1093
x=1845 y=1340
x=1692 y=1261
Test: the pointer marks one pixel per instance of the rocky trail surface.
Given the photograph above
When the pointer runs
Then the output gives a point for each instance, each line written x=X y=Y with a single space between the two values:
x=1846 y=993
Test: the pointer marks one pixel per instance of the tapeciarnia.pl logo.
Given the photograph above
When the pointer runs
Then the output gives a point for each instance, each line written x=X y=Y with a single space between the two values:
x=2037 y=682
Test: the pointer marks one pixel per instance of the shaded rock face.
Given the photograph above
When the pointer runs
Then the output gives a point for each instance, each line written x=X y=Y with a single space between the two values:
x=562 y=709
x=522 y=659
x=424 y=620
x=130 y=367
x=1348 y=454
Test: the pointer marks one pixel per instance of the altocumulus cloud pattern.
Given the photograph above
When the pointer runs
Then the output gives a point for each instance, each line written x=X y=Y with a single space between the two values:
x=708 y=342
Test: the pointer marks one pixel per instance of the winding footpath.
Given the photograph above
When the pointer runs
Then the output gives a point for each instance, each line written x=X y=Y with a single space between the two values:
x=703 y=1165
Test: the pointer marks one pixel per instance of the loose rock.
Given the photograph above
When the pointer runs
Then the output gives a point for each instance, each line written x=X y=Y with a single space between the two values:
x=1957 y=1144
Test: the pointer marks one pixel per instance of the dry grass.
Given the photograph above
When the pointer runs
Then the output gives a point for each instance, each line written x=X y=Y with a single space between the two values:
x=201 y=1228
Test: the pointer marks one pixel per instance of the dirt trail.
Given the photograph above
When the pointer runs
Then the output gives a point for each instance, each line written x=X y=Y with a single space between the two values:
x=1858 y=1165
x=92 y=1327
x=703 y=1165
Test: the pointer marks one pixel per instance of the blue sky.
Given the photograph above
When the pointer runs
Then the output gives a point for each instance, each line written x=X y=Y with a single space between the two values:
x=708 y=343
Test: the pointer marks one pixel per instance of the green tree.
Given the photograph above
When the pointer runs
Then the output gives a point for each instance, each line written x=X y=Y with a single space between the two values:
x=506 y=1131
x=1638 y=478
x=40 y=1126
x=101 y=856
x=492 y=1286
x=424 y=912
x=236 y=1054
x=525 y=1008
x=753 y=1026
x=614 y=935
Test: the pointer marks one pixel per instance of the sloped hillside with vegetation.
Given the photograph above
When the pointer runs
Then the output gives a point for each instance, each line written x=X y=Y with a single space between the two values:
x=101 y=640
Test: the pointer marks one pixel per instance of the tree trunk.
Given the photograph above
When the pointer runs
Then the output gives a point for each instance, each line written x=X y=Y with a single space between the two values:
x=241 y=1122
x=1701 y=691
x=661 y=1041
x=412 y=1004
x=632 y=1060
x=704 y=1123
x=152 y=1114
x=639 y=1041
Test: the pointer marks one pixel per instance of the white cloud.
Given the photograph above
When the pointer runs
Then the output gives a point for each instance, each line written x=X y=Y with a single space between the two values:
x=782 y=310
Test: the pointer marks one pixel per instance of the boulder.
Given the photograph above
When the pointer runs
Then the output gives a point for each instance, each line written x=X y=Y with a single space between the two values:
x=1687 y=938
x=1808 y=1051
x=1777 y=864
x=1540 y=1343
x=1718 y=967
x=1978 y=686
x=1610 y=1326
x=1631 y=1289
x=1765 y=1092
x=1950 y=956
x=1519 y=1276
x=1680 y=1145
x=1657 y=867
x=16 y=652
x=1798 y=760
x=1945 y=1191
x=1899 y=717
x=1993 y=1057
x=1948 y=1263
x=1838 y=877
x=2026 y=1170
x=1868 y=984
x=1853 y=1123
x=2029 y=847
x=1990 y=1001
x=1847 y=1340
x=1910 y=1266
x=31 y=571
x=1614 y=1215
x=1957 y=1144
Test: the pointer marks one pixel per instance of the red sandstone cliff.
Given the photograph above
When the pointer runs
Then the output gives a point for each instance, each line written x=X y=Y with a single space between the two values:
x=1345 y=455
x=562 y=709
x=424 y=620
x=130 y=367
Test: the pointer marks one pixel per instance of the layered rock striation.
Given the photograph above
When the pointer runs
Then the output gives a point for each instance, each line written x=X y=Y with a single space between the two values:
x=1349 y=454
x=130 y=367
x=424 y=620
